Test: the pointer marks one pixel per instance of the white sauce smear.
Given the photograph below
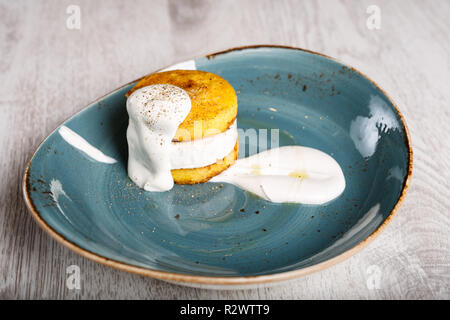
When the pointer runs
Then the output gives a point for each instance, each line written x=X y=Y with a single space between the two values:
x=288 y=174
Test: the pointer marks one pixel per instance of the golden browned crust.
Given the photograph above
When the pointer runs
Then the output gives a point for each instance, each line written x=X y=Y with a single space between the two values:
x=214 y=102
x=203 y=174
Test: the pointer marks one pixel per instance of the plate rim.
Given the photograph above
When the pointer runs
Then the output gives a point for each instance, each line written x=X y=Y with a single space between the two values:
x=212 y=280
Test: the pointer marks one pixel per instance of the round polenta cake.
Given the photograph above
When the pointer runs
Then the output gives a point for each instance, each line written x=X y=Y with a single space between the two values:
x=213 y=110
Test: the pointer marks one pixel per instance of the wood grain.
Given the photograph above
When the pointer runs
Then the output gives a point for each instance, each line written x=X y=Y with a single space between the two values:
x=48 y=72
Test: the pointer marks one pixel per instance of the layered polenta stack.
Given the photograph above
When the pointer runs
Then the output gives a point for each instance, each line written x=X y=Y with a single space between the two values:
x=206 y=141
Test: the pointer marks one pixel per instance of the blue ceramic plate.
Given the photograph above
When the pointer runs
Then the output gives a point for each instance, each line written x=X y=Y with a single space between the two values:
x=212 y=234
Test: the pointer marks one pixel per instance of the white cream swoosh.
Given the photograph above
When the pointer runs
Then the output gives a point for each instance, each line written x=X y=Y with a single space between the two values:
x=81 y=144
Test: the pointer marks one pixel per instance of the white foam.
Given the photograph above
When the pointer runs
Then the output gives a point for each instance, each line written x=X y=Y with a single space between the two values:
x=288 y=174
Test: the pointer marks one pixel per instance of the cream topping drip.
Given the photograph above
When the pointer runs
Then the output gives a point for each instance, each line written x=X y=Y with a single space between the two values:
x=155 y=113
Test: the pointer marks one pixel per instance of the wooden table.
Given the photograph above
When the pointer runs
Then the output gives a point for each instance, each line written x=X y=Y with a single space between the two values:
x=49 y=70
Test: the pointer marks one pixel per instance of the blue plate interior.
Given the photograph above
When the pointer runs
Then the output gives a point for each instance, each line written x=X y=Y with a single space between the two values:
x=217 y=229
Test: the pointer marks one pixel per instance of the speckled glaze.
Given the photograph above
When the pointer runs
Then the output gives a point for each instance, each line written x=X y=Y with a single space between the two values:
x=216 y=234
